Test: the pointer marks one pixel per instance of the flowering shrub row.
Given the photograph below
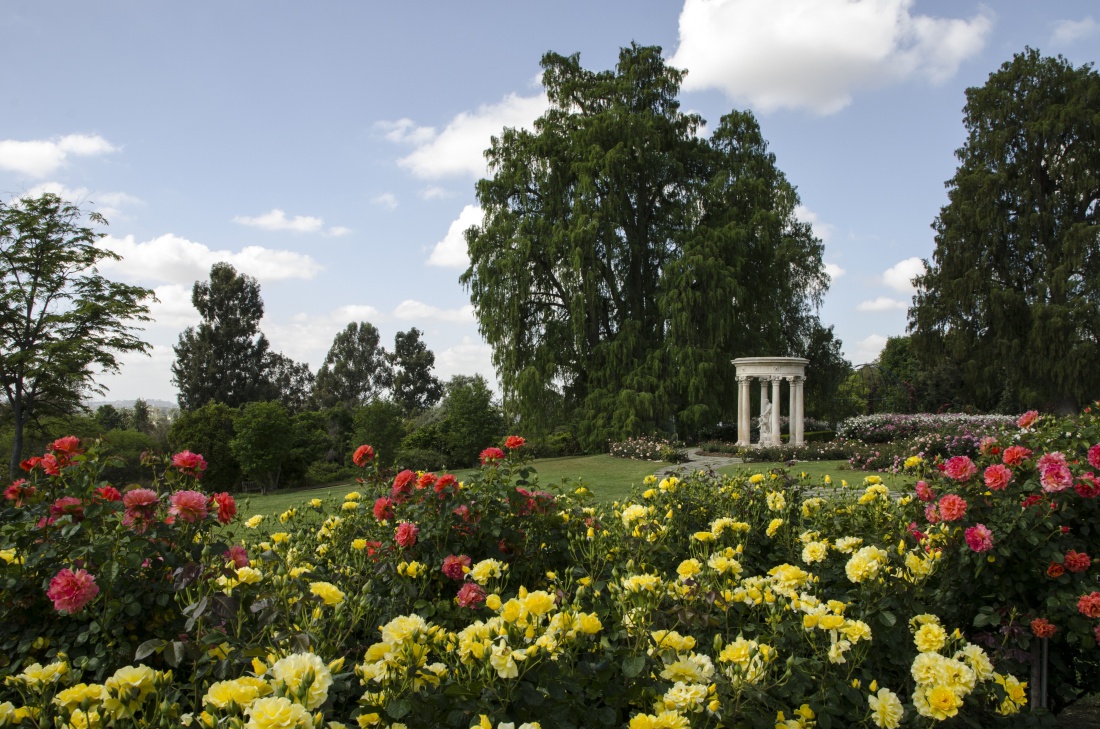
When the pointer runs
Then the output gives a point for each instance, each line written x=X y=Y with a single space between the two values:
x=756 y=600
x=890 y=427
x=649 y=448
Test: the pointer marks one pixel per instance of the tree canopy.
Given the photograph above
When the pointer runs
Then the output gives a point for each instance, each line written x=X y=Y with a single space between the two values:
x=356 y=369
x=1012 y=294
x=225 y=359
x=414 y=387
x=61 y=322
x=624 y=259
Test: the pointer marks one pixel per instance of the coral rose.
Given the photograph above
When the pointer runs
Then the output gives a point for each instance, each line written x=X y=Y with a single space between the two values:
x=383 y=508
x=491 y=456
x=959 y=468
x=1055 y=570
x=425 y=480
x=51 y=465
x=70 y=505
x=1056 y=478
x=405 y=535
x=979 y=538
x=227 y=507
x=402 y=483
x=997 y=477
x=952 y=507
x=513 y=442
x=72 y=591
x=69 y=445
x=1076 y=561
x=1015 y=455
x=1043 y=628
x=19 y=491
x=363 y=455
x=31 y=463
x=1028 y=419
x=454 y=566
x=189 y=506
x=1089 y=605
x=444 y=481
x=470 y=596
x=109 y=493
x=190 y=463
x=923 y=492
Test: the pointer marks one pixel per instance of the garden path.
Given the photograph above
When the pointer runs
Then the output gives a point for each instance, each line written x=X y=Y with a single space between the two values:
x=696 y=462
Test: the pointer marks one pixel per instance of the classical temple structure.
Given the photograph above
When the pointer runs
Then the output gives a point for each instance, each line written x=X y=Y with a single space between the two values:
x=773 y=370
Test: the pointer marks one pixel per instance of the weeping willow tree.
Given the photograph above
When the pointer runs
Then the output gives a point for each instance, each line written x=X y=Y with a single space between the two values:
x=625 y=259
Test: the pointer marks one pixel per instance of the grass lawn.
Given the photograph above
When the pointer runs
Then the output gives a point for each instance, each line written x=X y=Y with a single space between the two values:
x=816 y=471
x=607 y=477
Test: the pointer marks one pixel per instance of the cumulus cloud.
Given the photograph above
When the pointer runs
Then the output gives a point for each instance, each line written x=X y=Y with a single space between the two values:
x=815 y=54
x=276 y=221
x=435 y=192
x=460 y=148
x=882 y=303
x=833 y=271
x=387 y=200
x=451 y=251
x=868 y=349
x=142 y=376
x=108 y=204
x=824 y=231
x=173 y=308
x=900 y=276
x=173 y=259
x=1067 y=32
x=41 y=157
x=470 y=357
x=419 y=311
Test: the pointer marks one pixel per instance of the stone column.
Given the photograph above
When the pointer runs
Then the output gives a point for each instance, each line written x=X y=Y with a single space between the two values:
x=744 y=410
x=792 y=412
x=798 y=434
x=777 y=436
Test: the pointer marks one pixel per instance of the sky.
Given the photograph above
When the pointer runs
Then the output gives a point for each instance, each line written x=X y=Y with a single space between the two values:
x=331 y=149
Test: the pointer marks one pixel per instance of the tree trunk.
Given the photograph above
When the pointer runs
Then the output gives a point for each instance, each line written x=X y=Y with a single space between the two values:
x=17 y=440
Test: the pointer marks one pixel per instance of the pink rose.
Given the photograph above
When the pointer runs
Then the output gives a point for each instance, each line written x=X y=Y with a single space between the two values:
x=470 y=596
x=454 y=564
x=979 y=538
x=1056 y=478
x=997 y=477
x=952 y=507
x=959 y=468
x=191 y=506
x=406 y=534
x=190 y=463
x=1094 y=456
x=72 y=591
x=923 y=492
x=238 y=555
x=932 y=514
x=227 y=507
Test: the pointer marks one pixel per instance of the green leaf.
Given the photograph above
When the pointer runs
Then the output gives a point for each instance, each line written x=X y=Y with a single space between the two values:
x=633 y=666
x=887 y=618
x=398 y=709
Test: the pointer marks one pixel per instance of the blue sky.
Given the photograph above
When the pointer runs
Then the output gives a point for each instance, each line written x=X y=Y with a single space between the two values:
x=331 y=149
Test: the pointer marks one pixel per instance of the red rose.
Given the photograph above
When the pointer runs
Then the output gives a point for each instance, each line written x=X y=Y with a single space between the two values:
x=1088 y=487
x=402 y=482
x=69 y=445
x=1089 y=605
x=513 y=442
x=444 y=481
x=454 y=566
x=227 y=507
x=238 y=555
x=425 y=480
x=406 y=534
x=1076 y=561
x=19 y=491
x=363 y=455
x=30 y=464
x=109 y=493
x=383 y=509
x=1055 y=570
x=1043 y=628
x=491 y=456
x=1031 y=500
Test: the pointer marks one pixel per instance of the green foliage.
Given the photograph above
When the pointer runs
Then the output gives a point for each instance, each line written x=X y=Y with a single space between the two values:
x=291 y=383
x=262 y=442
x=111 y=418
x=208 y=431
x=414 y=386
x=624 y=261
x=1011 y=294
x=139 y=417
x=381 y=424
x=127 y=448
x=224 y=360
x=472 y=421
x=60 y=321
x=356 y=369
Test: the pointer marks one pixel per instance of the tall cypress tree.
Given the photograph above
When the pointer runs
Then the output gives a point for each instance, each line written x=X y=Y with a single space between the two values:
x=1012 y=295
x=624 y=260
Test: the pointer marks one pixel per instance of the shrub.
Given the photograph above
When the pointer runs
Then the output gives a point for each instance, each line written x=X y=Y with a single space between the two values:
x=888 y=427
x=420 y=459
x=649 y=448
x=325 y=472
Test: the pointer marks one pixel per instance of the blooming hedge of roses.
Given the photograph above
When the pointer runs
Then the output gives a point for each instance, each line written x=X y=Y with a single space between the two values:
x=759 y=600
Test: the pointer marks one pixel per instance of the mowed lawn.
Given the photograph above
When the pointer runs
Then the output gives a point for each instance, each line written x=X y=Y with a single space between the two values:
x=607 y=477
x=816 y=471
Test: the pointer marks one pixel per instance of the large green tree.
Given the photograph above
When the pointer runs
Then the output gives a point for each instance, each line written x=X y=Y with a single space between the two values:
x=263 y=442
x=356 y=369
x=1012 y=295
x=61 y=322
x=226 y=358
x=414 y=387
x=625 y=259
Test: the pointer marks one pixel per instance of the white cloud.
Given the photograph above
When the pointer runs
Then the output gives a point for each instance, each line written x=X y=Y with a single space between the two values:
x=173 y=307
x=419 y=311
x=460 y=148
x=106 y=203
x=900 y=276
x=307 y=337
x=470 y=357
x=451 y=252
x=142 y=376
x=435 y=193
x=882 y=303
x=276 y=221
x=1067 y=32
x=173 y=259
x=41 y=157
x=868 y=349
x=816 y=54
x=833 y=271
x=387 y=200
x=824 y=231
x=405 y=131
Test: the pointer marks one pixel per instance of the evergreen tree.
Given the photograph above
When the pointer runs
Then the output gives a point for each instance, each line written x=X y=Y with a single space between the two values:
x=292 y=383
x=140 y=419
x=624 y=261
x=224 y=360
x=356 y=369
x=414 y=386
x=60 y=321
x=1012 y=295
